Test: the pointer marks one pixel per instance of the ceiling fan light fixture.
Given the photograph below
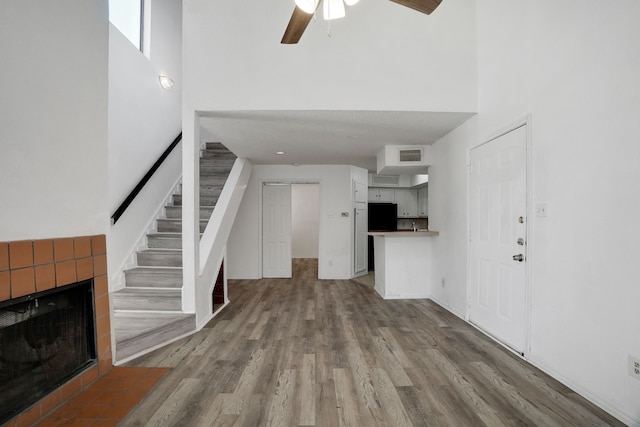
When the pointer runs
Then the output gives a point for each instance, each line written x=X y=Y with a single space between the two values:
x=308 y=6
x=333 y=9
x=351 y=2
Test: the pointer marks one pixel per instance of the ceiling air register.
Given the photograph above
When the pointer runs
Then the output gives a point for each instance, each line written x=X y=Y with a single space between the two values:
x=413 y=155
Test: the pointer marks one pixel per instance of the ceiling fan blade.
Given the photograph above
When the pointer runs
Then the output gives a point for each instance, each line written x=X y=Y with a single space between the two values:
x=424 y=6
x=297 y=24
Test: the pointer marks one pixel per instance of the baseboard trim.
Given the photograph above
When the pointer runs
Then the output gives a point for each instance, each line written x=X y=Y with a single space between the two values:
x=605 y=406
x=207 y=319
x=533 y=361
x=448 y=308
x=150 y=349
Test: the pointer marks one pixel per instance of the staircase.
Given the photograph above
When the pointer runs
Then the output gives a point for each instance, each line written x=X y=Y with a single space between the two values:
x=148 y=310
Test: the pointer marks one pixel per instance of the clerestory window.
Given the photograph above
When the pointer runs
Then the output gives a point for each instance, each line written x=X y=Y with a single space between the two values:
x=128 y=17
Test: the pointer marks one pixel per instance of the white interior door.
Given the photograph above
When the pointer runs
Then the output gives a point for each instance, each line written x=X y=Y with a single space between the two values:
x=276 y=231
x=498 y=238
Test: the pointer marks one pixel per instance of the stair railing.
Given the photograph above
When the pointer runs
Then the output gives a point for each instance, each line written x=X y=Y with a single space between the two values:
x=136 y=190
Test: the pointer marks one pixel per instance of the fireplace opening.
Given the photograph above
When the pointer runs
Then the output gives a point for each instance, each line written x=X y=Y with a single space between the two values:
x=45 y=340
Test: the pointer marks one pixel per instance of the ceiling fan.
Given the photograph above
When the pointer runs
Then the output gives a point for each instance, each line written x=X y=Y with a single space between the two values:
x=305 y=9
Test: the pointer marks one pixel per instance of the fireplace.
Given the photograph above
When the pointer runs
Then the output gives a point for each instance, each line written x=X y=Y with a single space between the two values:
x=45 y=339
x=61 y=282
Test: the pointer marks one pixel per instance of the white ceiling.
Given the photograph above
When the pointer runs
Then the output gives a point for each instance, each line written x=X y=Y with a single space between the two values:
x=324 y=137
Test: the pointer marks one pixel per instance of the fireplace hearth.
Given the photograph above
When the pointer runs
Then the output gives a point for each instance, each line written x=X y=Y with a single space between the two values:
x=45 y=339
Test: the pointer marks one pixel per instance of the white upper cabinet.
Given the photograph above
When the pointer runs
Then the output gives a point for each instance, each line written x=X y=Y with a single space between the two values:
x=423 y=202
x=407 y=201
x=381 y=195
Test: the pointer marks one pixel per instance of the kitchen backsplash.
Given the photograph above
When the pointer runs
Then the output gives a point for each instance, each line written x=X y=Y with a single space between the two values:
x=407 y=224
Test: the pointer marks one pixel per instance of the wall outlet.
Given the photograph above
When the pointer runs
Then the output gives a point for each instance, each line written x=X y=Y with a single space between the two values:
x=634 y=367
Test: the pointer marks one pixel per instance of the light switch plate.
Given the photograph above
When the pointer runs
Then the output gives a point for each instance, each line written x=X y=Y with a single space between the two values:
x=541 y=210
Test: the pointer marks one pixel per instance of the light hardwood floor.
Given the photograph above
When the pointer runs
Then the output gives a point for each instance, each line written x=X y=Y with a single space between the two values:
x=305 y=352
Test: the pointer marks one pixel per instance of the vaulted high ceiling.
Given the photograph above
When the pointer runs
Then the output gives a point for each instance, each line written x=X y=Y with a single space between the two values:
x=387 y=75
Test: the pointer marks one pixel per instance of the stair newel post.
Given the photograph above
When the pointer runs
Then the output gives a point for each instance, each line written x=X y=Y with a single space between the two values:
x=190 y=208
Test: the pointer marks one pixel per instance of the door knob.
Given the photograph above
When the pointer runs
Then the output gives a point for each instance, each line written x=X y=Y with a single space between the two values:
x=518 y=257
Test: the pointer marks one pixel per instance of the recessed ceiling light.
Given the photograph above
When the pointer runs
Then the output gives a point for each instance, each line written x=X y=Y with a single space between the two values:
x=280 y=153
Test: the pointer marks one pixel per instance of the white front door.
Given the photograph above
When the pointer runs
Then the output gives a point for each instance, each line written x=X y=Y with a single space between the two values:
x=276 y=231
x=498 y=238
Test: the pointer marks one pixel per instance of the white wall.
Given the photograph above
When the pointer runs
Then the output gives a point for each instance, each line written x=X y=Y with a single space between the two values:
x=233 y=60
x=304 y=220
x=244 y=250
x=382 y=56
x=143 y=120
x=53 y=118
x=570 y=65
x=143 y=117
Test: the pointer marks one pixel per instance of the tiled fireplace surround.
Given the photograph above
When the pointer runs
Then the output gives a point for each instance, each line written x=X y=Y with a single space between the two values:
x=31 y=266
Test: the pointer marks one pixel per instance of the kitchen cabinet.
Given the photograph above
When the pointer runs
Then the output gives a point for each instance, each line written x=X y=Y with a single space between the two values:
x=423 y=197
x=411 y=203
x=381 y=195
x=407 y=201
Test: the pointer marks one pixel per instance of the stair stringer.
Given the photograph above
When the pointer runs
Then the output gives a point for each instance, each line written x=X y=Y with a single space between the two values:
x=214 y=241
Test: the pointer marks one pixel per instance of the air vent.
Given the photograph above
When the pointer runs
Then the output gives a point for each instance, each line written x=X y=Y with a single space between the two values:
x=385 y=180
x=410 y=156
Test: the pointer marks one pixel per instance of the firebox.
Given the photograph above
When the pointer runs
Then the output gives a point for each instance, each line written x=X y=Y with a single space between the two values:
x=45 y=339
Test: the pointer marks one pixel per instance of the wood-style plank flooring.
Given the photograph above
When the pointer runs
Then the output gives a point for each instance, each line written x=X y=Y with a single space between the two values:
x=309 y=352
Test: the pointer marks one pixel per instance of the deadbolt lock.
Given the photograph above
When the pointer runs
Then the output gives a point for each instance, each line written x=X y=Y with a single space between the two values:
x=521 y=219
x=520 y=241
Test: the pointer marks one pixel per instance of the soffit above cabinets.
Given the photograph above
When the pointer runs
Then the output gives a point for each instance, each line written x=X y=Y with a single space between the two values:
x=404 y=159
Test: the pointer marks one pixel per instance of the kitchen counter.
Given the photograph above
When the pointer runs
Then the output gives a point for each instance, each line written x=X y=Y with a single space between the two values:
x=404 y=233
x=403 y=263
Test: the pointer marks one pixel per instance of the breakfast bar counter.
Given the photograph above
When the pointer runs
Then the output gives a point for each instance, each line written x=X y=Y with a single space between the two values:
x=403 y=263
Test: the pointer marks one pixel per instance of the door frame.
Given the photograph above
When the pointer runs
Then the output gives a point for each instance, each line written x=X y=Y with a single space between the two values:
x=262 y=184
x=530 y=212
